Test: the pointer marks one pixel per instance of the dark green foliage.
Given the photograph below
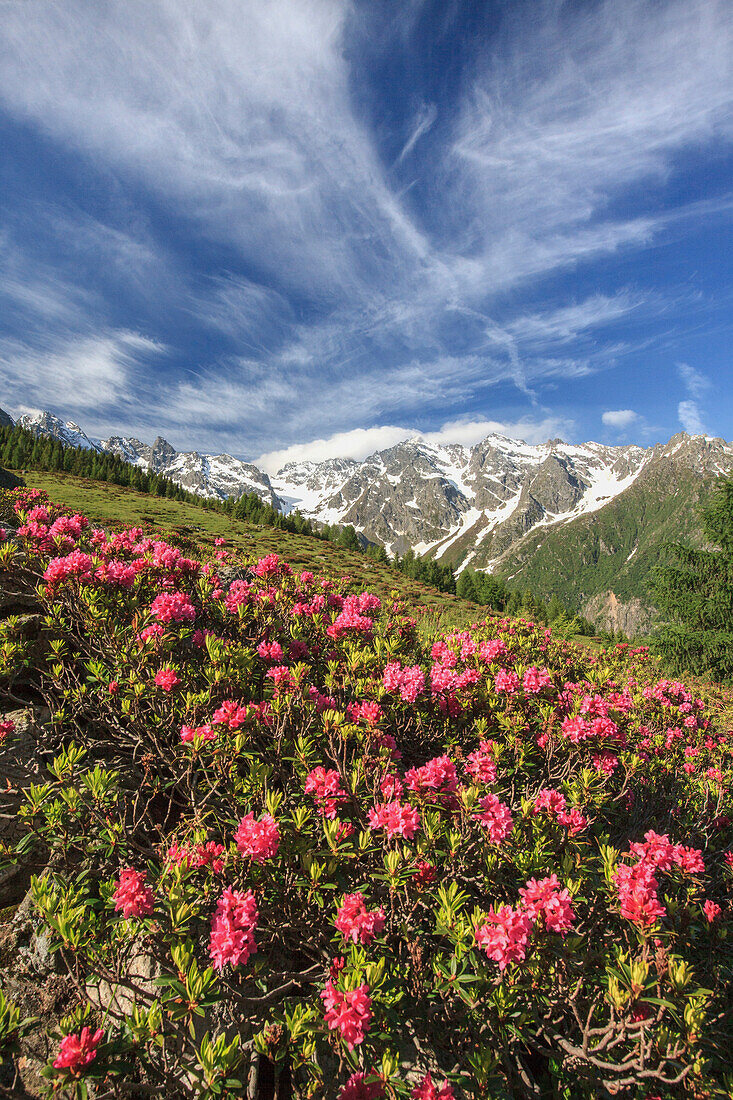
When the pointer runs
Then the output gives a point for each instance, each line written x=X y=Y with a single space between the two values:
x=427 y=570
x=693 y=590
x=483 y=588
x=492 y=591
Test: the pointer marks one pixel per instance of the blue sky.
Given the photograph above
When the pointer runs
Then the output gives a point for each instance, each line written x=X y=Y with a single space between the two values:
x=300 y=228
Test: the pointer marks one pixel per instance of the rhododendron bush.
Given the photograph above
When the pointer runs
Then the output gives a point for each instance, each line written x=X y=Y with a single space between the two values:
x=491 y=865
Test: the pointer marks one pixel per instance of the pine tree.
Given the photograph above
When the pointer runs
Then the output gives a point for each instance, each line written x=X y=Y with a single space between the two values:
x=694 y=594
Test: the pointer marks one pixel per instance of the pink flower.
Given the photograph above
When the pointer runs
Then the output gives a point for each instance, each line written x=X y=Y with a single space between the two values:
x=113 y=687
x=535 y=680
x=203 y=733
x=496 y=816
x=132 y=896
x=167 y=678
x=75 y=565
x=711 y=910
x=576 y=729
x=438 y=774
x=230 y=714
x=239 y=595
x=505 y=934
x=574 y=821
x=637 y=893
x=396 y=818
x=173 y=607
x=506 y=682
x=198 y=855
x=232 y=928
x=78 y=1051
x=259 y=840
x=605 y=762
x=325 y=787
x=348 y=1012
x=550 y=800
x=271 y=566
x=355 y=922
x=369 y=712
x=426 y=1090
x=547 y=898
x=480 y=764
x=408 y=682
x=358 y=1088
x=270 y=651
x=493 y=650
x=6 y=728
x=425 y=873
x=280 y=675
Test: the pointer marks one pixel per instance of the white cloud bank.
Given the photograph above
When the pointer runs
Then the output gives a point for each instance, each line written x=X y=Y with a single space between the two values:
x=619 y=419
x=362 y=442
x=689 y=413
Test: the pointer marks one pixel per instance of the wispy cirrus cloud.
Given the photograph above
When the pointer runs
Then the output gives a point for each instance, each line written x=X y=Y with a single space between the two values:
x=343 y=295
x=91 y=373
x=689 y=411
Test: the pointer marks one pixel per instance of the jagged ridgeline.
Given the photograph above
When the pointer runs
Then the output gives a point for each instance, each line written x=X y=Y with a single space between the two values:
x=582 y=523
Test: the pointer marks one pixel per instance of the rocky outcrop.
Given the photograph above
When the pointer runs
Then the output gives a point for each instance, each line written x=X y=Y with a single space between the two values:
x=607 y=612
x=10 y=481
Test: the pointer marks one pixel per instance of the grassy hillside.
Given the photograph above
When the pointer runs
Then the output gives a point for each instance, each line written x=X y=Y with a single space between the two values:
x=118 y=506
x=615 y=548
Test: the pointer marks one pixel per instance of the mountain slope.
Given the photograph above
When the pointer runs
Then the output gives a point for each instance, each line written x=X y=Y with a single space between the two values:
x=602 y=563
x=584 y=522
x=218 y=476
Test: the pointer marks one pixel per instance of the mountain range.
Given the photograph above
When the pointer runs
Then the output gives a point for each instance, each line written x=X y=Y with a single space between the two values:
x=583 y=521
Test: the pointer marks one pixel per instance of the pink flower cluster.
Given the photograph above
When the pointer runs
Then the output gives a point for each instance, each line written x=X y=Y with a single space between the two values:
x=271 y=566
x=6 y=727
x=576 y=729
x=368 y=712
x=505 y=934
x=358 y=1087
x=395 y=818
x=78 y=1051
x=427 y=1090
x=132 y=895
x=553 y=803
x=203 y=733
x=356 y=923
x=350 y=1012
x=198 y=855
x=230 y=714
x=438 y=775
x=270 y=651
x=167 y=678
x=354 y=616
x=480 y=764
x=496 y=816
x=173 y=607
x=232 y=929
x=536 y=680
x=259 y=840
x=325 y=787
x=637 y=884
x=506 y=682
x=409 y=683
x=76 y=565
x=546 y=898
x=239 y=595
